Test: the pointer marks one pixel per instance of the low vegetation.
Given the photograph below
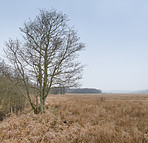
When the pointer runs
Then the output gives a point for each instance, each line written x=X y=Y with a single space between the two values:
x=103 y=118
x=10 y=98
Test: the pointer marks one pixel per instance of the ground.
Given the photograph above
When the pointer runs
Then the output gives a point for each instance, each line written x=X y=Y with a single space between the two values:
x=102 y=118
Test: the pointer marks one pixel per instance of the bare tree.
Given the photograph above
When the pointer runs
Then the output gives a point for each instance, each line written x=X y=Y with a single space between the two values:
x=47 y=57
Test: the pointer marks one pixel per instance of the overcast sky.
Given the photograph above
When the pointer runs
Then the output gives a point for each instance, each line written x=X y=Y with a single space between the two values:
x=115 y=33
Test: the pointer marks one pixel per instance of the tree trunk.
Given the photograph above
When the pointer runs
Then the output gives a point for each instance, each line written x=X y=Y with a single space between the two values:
x=42 y=105
x=11 y=110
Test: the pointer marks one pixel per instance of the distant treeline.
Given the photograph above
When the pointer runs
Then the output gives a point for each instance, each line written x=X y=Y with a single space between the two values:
x=63 y=90
x=85 y=90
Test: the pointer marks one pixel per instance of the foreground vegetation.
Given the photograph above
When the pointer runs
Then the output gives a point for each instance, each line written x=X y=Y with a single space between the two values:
x=103 y=118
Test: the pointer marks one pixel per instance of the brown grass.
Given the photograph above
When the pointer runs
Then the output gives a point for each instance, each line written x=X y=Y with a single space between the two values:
x=104 y=118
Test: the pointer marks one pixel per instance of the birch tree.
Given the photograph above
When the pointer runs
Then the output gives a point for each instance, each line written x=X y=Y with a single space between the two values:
x=47 y=56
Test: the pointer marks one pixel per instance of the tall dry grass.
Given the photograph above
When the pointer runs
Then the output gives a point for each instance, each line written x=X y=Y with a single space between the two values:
x=104 y=118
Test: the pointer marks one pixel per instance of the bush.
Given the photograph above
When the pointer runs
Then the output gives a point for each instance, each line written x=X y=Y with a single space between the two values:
x=10 y=98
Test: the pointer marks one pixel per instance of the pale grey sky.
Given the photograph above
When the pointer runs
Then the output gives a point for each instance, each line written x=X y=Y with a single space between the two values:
x=115 y=32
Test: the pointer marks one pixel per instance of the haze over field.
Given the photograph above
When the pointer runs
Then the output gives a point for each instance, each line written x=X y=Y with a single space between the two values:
x=115 y=33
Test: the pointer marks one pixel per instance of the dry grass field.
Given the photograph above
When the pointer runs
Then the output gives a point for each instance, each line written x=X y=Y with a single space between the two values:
x=103 y=118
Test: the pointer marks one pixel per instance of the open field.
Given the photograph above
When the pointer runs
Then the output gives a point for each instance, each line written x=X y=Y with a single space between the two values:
x=103 y=118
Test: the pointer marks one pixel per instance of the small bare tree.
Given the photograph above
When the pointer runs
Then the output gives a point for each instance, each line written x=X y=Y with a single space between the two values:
x=47 y=57
x=10 y=98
